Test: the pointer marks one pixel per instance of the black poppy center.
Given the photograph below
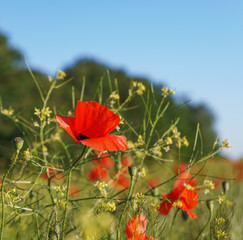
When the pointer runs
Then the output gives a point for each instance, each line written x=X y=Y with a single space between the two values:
x=82 y=137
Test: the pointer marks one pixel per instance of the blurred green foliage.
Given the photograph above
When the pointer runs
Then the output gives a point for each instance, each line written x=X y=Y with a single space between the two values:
x=18 y=90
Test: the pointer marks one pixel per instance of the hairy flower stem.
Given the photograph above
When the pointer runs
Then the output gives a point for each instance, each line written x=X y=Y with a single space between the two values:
x=130 y=191
x=209 y=220
x=172 y=224
x=2 y=191
x=67 y=192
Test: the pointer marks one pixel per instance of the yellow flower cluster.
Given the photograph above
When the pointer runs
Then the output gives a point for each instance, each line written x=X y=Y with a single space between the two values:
x=140 y=141
x=43 y=113
x=61 y=75
x=11 y=197
x=109 y=206
x=140 y=88
x=142 y=173
x=225 y=144
x=157 y=151
x=137 y=198
x=168 y=140
x=208 y=184
x=222 y=199
x=102 y=188
x=27 y=154
x=114 y=96
x=220 y=220
x=166 y=92
x=8 y=112
x=221 y=234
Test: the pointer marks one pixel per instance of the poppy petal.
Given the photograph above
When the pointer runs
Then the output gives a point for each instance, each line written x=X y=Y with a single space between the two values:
x=94 y=120
x=109 y=142
x=165 y=207
x=136 y=226
x=67 y=123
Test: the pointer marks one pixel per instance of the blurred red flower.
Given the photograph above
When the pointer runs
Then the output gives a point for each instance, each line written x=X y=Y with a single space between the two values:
x=181 y=197
x=121 y=182
x=91 y=126
x=136 y=228
x=181 y=167
x=153 y=182
x=126 y=160
x=185 y=178
x=104 y=161
x=97 y=173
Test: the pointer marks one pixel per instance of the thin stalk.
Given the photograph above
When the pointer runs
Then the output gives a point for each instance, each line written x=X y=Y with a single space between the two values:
x=67 y=192
x=37 y=226
x=130 y=191
x=172 y=224
x=49 y=223
x=209 y=220
x=36 y=82
x=2 y=192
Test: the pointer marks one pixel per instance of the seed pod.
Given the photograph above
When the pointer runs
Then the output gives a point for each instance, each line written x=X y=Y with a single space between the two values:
x=18 y=143
x=210 y=205
x=132 y=171
x=225 y=186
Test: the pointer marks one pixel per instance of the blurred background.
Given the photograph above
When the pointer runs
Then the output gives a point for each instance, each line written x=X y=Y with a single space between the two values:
x=194 y=48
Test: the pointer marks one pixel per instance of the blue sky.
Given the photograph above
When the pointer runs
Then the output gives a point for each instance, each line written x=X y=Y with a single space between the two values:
x=195 y=47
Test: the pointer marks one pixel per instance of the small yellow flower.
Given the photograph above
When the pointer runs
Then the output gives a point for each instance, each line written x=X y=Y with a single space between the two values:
x=142 y=173
x=225 y=144
x=8 y=112
x=220 y=220
x=185 y=141
x=115 y=96
x=141 y=88
x=168 y=140
x=61 y=75
x=27 y=154
x=165 y=91
x=171 y=91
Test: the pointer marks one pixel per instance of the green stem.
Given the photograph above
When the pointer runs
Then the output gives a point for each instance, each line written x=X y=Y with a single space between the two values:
x=2 y=191
x=119 y=229
x=37 y=226
x=172 y=224
x=209 y=220
x=67 y=192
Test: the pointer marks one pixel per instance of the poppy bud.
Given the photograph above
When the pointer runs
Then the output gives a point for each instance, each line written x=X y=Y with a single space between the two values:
x=210 y=205
x=18 y=143
x=132 y=171
x=225 y=186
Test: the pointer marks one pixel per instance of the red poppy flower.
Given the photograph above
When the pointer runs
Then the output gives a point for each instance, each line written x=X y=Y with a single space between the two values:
x=136 y=228
x=104 y=161
x=97 y=173
x=91 y=126
x=181 y=197
x=185 y=178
